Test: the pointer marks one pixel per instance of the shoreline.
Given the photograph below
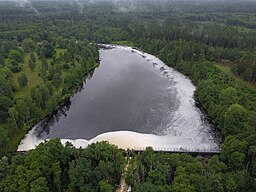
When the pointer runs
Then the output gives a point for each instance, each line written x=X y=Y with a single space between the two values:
x=181 y=134
x=75 y=88
x=126 y=140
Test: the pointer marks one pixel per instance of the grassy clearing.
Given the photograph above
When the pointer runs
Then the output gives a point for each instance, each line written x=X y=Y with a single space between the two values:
x=128 y=43
x=227 y=70
x=244 y=29
x=33 y=76
x=59 y=51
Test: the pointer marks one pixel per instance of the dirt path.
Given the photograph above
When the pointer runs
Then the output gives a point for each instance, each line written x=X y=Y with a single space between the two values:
x=123 y=187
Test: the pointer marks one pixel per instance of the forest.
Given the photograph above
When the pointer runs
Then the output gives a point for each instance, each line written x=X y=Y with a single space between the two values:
x=48 y=47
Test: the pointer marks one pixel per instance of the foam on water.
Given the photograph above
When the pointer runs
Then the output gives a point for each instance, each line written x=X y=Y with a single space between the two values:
x=185 y=131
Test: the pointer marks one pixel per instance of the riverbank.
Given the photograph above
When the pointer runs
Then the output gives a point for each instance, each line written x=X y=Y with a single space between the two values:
x=185 y=128
x=21 y=133
x=127 y=140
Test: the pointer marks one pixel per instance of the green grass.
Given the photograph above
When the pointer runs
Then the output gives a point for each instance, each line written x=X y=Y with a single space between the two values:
x=243 y=29
x=33 y=80
x=33 y=76
x=128 y=43
x=227 y=70
x=58 y=51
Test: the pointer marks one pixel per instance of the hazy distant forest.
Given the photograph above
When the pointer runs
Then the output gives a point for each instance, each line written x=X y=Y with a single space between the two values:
x=48 y=46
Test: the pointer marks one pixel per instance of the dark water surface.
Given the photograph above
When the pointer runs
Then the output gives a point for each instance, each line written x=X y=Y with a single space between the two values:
x=125 y=92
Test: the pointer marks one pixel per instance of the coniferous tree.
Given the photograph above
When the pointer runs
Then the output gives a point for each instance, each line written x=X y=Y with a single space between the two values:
x=23 y=80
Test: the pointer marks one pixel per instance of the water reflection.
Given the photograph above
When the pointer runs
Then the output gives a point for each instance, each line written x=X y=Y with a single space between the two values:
x=129 y=92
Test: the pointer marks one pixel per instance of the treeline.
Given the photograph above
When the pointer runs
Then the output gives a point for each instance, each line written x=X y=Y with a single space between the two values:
x=212 y=24
x=162 y=172
x=54 y=167
x=216 y=42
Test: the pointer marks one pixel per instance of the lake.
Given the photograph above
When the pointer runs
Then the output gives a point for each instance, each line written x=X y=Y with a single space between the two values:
x=132 y=100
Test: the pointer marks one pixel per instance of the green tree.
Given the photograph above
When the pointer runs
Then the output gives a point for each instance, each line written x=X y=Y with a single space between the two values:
x=5 y=104
x=16 y=56
x=252 y=154
x=2 y=61
x=5 y=87
x=56 y=81
x=43 y=74
x=44 y=64
x=48 y=50
x=146 y=187
x=40 y=170
x=15 y=67
x=6 y=73
x=4 y=143
x=32 y=57
x=215 y=165
x=215 y=183
x=45 y=95
x=105 y=187
x=23 y=80
x=235 y=120
x=158 y=175
x=23 y=111
x=51 y=105
x=13 y=118
x=228 y=96
x=181 y=187
x=248 y=74
x=30 y=44
x=39 y=185
x=233 y=152
x=148 y=158
x=37 y=97
x=100 y=162
x=31 y=64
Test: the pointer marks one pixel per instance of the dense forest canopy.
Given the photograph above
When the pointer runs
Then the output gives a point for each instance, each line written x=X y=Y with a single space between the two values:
x=46 y=49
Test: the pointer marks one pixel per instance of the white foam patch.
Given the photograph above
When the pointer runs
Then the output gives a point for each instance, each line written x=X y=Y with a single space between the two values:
x=186 y=131
x=124 y=140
